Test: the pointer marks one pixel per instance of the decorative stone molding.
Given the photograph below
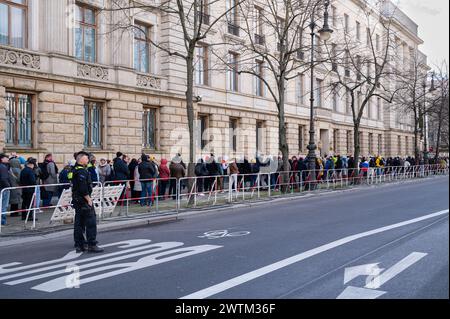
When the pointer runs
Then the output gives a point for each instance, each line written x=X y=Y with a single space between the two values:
x=92 y=71
x=14 y=57
x=148 y=81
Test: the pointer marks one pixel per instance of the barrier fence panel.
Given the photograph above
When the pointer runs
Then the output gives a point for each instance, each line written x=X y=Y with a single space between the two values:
x=144 y=196
x=249 y=186
x=201 y=191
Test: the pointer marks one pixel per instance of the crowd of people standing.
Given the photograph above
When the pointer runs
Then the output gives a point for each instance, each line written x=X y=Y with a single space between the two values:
x=139 y=174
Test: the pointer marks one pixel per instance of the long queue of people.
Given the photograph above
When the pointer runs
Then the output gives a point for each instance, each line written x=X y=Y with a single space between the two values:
x=139 y=174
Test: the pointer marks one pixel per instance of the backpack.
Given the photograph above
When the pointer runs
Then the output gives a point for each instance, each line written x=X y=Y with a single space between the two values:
x=43 y=174
x=198 y=169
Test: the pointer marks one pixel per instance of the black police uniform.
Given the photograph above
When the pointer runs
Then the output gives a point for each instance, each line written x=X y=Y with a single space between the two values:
x=84 y=214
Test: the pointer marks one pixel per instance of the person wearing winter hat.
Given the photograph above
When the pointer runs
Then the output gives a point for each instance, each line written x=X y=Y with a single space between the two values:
x=164 y=175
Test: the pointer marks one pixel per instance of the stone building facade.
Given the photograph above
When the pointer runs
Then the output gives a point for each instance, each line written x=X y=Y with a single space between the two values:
x=70 y=81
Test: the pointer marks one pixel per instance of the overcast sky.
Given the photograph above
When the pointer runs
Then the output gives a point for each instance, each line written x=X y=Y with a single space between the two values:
x=432 y=16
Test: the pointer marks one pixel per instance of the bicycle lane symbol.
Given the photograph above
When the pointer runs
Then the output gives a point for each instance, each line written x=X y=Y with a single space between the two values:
x=215 y=234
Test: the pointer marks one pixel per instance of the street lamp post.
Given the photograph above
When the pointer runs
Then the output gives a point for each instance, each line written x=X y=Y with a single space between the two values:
x=325 y=34
x=424 y=124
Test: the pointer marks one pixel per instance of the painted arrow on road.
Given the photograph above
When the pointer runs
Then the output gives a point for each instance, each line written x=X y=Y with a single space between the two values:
x=375 y=277
x=363 y=270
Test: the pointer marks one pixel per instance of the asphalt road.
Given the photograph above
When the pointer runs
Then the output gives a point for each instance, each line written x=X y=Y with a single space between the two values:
x=381 y=242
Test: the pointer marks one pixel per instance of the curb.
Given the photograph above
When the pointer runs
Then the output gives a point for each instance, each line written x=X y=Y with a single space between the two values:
x=148 y=220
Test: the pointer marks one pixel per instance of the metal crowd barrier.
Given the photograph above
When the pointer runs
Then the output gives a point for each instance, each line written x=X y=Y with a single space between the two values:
x=170 y=195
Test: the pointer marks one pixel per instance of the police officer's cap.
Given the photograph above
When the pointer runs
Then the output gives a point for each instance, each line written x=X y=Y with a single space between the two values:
x=83 y=153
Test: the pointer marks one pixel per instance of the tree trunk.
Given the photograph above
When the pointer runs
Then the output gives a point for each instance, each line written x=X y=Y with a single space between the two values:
x=190 y=116
x=282 y=140
x=416 y=136
x=190 y=110
x=357 y=149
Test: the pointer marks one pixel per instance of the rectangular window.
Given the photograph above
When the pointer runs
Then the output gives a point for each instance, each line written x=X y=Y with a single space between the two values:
x=399 y=145
x=319 y=49
x=280 y=26
x=232 y=17
x=334 y=65
x=203 y=12
x=301 y=89
x=233 y=135
x=233 y=75
x=204 y=139
x=85 y=34
x=149 y=128
x=201 y=65
x=348 y=102
x=349 y=141
x=18 y=119
x=93 y=124
x=259 y=32
x=378 y=109
x=142 y=48
x=335 y=98
x=371 y=143
x=301 y=134
x=368 y=37
x=358 y=31
x=318 y=91
x=333 y=16
x=406 y=145
x=335 y=140
x=301 y=48
x=358 y=68
x=259 y=136
x=347 y=64
x=13 y=23
x=346 y=22
x=259 y=88
x=380 y=145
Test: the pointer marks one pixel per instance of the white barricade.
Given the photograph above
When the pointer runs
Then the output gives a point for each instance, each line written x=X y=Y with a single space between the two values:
x=109 y=198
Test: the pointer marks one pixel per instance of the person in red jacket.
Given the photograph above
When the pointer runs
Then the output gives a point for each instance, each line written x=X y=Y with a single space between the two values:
x=164 y=174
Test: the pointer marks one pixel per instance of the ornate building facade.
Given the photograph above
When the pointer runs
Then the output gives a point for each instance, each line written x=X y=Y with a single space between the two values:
x=70 y=80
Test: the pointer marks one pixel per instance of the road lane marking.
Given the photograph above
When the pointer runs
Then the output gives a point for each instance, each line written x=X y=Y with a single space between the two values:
x=360 y=293
x=351 y=273
x=390 y=273
x=98 y=267
x=233 y=282
x=71 y=256
x=215 y=234
x=376 y=278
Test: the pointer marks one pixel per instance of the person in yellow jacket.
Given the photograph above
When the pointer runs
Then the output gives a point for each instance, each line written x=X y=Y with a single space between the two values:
x=379 y=161
x=379 y=164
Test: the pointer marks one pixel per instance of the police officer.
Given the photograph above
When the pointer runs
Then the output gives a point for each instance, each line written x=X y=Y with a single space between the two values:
x=85 y=218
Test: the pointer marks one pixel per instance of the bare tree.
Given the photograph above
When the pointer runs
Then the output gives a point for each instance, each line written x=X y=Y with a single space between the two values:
x=193 y=22
x=440 y=109
x=412 y=96
x=272 y=51
x=368 y=71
